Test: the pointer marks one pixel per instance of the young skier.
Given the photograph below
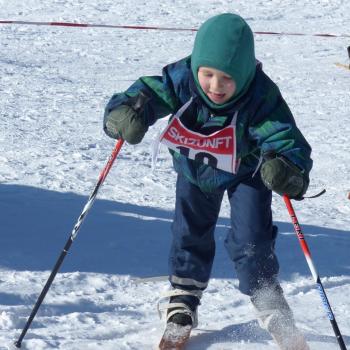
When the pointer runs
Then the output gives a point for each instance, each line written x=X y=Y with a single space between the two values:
x=231 y=131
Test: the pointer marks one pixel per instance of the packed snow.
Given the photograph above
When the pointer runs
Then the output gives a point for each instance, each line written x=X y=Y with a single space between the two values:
x=54 y=84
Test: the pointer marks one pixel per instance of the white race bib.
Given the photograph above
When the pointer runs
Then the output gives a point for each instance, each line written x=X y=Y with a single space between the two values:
x=217 y=149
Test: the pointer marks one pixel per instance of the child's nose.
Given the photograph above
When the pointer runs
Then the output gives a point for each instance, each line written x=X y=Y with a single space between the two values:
x=216 y=83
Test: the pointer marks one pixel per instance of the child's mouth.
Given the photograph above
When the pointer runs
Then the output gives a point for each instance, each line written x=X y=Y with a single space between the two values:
x=216 y=97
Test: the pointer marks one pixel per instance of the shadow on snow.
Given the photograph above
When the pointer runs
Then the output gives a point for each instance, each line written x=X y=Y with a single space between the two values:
x=120 y=238
x=245 y=332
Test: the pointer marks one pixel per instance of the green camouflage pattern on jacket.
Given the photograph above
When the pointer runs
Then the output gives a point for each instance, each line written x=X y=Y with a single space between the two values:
x=265 y=122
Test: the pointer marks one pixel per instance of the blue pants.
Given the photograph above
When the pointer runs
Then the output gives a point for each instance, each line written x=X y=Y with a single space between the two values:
x=250 y=241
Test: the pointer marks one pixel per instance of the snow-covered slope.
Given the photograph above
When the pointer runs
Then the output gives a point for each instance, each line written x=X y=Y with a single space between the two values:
x=54 y=83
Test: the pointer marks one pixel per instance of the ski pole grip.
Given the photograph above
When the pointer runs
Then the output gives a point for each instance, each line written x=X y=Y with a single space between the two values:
x=268 y=155
x=141 y=101
x=138 y=102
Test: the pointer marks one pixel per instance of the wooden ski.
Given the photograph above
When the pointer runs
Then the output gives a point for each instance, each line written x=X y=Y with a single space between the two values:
x=175 y=337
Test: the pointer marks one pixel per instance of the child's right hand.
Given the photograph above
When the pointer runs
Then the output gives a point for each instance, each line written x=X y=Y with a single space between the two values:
x=126 y=121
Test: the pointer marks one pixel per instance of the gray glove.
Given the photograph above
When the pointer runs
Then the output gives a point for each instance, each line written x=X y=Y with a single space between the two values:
x=283 y=177
x=126 y=121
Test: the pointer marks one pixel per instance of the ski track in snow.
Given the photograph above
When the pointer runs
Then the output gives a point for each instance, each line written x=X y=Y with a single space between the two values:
x=54 y=84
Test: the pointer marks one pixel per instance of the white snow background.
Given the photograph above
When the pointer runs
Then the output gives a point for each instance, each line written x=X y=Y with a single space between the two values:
x=54 y=84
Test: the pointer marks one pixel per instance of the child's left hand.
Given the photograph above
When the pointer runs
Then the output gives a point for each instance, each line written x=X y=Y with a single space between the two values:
x=283 y=177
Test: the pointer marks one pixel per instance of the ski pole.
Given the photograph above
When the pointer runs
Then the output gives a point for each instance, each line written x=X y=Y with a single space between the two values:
x=314 y=272
x=70 y=240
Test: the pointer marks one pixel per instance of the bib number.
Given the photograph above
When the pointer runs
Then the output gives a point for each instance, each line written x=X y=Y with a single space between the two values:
x=217 y=149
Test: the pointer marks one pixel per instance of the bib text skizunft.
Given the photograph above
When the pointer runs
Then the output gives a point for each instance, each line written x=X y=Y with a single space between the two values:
x=213 y=143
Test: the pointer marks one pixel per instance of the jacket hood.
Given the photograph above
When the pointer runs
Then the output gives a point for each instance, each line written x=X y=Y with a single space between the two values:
x=225 y=42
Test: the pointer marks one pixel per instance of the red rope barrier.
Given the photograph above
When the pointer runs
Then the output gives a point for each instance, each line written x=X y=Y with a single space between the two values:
x=86 y=25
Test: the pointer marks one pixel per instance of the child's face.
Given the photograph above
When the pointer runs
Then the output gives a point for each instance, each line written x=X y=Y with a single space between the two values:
x=216 y=84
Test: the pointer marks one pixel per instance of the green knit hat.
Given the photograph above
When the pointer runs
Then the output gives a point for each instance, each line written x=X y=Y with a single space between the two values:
x=225 y=42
